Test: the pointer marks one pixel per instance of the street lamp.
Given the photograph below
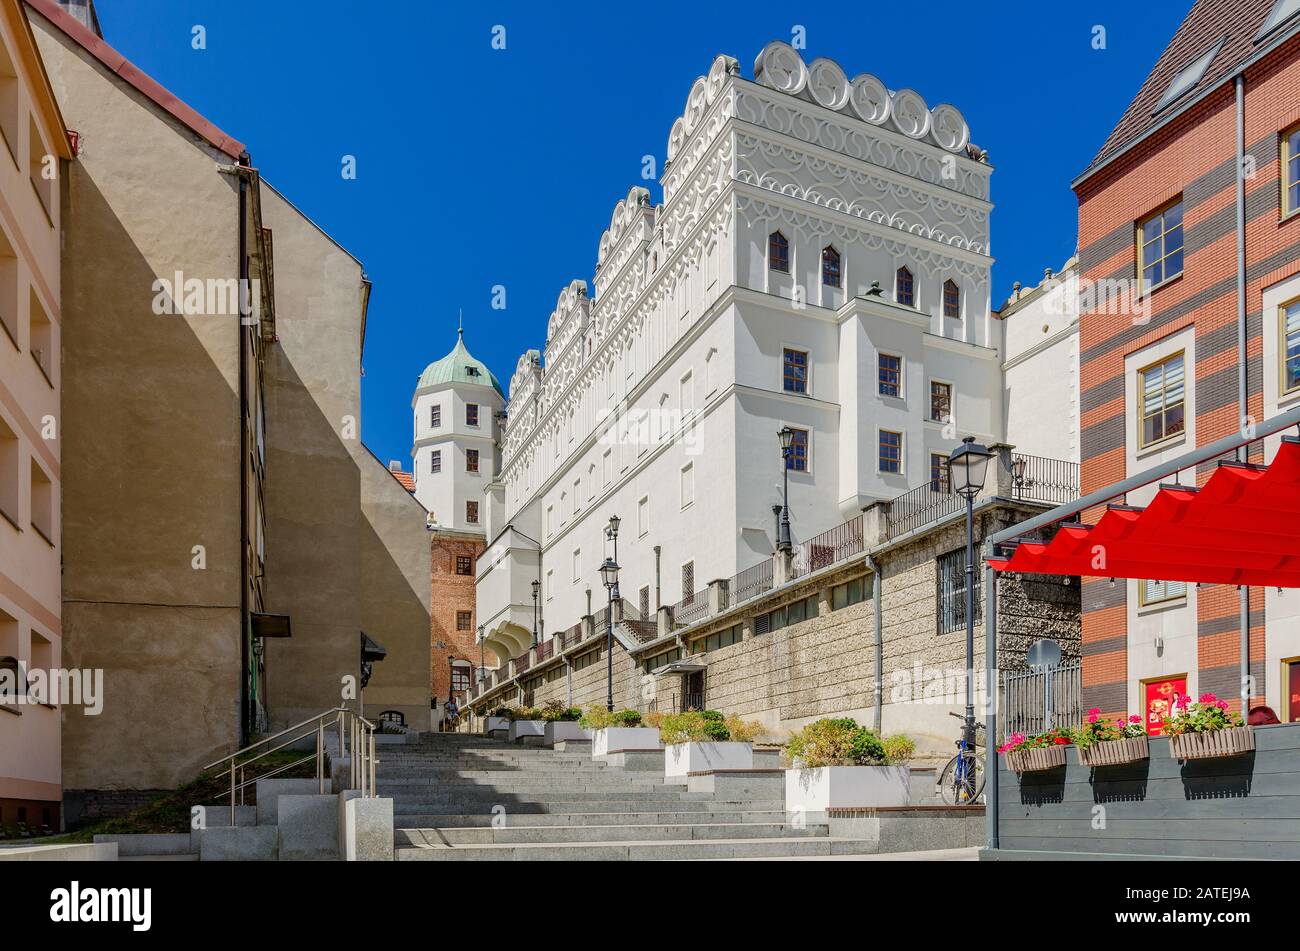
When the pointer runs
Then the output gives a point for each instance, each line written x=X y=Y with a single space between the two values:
x=481 y=674
x=783 y=529
x=611 y=532
x=609 y=576
x=967 y=468
x=1018 y=474
x=536 y=586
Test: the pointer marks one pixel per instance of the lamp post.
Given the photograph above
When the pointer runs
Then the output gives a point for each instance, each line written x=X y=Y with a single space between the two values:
x=611 y=532
x=481 y=674
x=783 y=529
x=609 y=575
x=967 y=468
x=536 y=586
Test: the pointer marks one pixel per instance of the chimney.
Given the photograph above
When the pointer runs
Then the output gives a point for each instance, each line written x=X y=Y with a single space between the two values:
x=394 y=466
x=83 y=11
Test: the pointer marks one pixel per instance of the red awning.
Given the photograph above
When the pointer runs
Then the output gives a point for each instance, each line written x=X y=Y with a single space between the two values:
x=1241 y=527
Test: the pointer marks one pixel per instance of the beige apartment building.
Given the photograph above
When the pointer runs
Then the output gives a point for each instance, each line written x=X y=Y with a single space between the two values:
x=228 y=537
x=31 y=164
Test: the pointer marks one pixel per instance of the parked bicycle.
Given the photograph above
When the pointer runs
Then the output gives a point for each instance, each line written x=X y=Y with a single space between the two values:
x=961 y=782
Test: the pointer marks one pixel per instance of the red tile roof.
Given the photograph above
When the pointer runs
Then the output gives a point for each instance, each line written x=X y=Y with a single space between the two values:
x=1205 y=24
x=407 y=480
x=145 y=84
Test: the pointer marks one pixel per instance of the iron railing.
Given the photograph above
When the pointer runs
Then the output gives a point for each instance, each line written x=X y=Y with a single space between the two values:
x=1040 y=479
x=545 y=650
x=920 y=506
x=750 y=583
x=836 y=544
x=692 y=608
x=1035 y=701
x=523 y=662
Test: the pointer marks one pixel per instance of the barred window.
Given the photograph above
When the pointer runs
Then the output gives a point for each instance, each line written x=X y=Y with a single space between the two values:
x=459 y=678
x=435 y=461
x=471 y=512
x=464 y=621
x=471 y=414
x=435 y=416
x=471 y=460
x=951 y=591
x=464 y=565
x=778 y=252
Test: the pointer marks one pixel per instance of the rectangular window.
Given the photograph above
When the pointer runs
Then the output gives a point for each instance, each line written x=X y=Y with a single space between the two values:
x=435 y=461
x=890 y=375
x=550 y=584
x=792 y=613
x=42 y=502
x=950 y=582
x=10 y=472
x=1157 y=592
x=607 y=466
x=1160 y=245
x=1162 y=393
x=724 y=638
x=1291 y=171
x=577 y=564
x=891 y=451
x=1289 y=322
x=586 y=660
x=688 y=484
x=851 y=592
x=471 y=460
x=951 y=300
x=938 y=472
x=795 y=373
x=1291 y=681
x=435 y=416
x=643 y=516
x=471 y=512
x=686 y=393
x=688 y=582
x=797 y=460
x=464 y=621
x=940 y=401
x=471 y=414
x=643 y=601
x=459 y=678
x=464 y=565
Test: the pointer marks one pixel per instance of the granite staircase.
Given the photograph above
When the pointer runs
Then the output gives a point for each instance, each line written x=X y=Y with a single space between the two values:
x=461 y=797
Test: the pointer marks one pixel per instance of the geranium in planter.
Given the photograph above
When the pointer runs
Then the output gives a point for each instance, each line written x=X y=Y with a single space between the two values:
x=1032 y=754
x=841 y=765
x=1207 y=729
x=1103 y=743
x=697 y=741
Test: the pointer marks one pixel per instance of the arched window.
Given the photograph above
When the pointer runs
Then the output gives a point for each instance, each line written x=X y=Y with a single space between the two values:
x=904 y=288
x=778 y=252
x=830 y=267
x=951 y=299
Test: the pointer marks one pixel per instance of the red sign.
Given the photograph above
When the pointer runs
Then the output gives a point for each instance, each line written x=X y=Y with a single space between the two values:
x=1161 y=697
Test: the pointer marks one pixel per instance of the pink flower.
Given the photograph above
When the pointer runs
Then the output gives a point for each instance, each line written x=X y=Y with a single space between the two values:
x=1135 y=719
x=1208 y=698
x=1222 y=704
x=1094 y=711
x=1093 y=716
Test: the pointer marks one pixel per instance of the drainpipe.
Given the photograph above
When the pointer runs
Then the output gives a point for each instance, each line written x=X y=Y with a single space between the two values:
x=244 y=630
x=876 y=584
x=658 y=601
x=1243 y=592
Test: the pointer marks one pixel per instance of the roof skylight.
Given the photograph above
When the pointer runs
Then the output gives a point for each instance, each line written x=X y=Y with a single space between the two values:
x=1190 y=74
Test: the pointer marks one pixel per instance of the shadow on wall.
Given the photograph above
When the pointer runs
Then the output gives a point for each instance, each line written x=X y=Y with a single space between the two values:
x=150 y=469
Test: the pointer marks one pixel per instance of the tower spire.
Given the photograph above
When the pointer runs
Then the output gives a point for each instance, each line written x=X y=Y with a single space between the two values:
x=460 y=330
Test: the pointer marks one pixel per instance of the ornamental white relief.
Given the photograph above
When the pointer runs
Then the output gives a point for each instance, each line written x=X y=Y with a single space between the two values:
x=839 y=187
x=704 y=93
x=827 y=84
x=870 y=99
x=781 y=67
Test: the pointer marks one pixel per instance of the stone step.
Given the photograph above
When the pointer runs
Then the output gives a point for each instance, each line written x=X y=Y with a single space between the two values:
x=689 y=832
x=174 y=857
x=484 y=820
x=490 y=798
x=403 y=809
x=640 y=851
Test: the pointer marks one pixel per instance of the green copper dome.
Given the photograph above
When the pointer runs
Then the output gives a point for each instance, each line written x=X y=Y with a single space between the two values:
x=459 y=366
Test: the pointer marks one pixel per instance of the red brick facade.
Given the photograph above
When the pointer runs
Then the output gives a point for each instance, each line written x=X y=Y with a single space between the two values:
x=453 y=620
x=1193 y=157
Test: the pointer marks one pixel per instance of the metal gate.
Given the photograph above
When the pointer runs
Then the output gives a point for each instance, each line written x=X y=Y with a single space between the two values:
x=1035 y=701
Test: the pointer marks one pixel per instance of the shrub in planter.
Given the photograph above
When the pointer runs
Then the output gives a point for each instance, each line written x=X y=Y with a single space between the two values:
x=700 y=727
x=1029 y=754
x=1106 y=743
x=505 y=713
x=553 y=711
x=841 y=742
x=1207 y=729
x=596 y=717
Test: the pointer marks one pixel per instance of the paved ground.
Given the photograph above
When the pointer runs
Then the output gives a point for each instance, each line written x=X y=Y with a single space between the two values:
x=937 y=855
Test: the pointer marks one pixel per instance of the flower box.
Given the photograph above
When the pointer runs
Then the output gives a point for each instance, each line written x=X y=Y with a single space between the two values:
x=1036 y=760
x=564 y=731
x=1232 y=741
x=493 y=724
x=617 y=739
x=813 y=791
x=522 y=729
x=680 y=759
x=1130 y=749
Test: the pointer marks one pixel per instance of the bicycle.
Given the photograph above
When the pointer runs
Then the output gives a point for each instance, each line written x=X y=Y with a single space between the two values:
x=961 y=782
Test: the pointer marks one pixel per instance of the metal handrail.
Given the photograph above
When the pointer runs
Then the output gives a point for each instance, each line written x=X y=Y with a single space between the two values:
x=355 y=733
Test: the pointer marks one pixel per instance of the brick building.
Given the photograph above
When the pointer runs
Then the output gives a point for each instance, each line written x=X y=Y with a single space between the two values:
x=1208 y=342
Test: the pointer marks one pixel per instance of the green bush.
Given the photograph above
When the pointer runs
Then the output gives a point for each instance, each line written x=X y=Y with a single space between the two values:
x=841 y=741
x=505 y=712
x=627 y=718
x=596 y=717
x=706 y=726
x=553 y=711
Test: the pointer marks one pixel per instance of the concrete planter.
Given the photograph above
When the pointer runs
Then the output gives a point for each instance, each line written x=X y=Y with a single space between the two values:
x=683 y=758
x=1036 y=760
x=1115 y=752
x=814 y=791
x=492 y=724
x=564 y=731
x=526 y=729
x=1233 y=741
x=614 y=739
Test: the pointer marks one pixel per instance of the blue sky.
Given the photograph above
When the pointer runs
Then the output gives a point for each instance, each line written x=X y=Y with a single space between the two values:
x=478 y=167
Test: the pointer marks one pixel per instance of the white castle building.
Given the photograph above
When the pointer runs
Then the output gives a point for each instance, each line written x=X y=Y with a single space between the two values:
x=820 y=261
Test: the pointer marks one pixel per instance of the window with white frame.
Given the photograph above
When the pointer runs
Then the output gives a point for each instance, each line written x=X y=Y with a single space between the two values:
x=794 y=370
x=1289 y=324
x=688 y=484
x=891 y=452
x=890 y=375
x=1160 y=245
x=1151 y=591
x=940 y=401
x=1162 y=391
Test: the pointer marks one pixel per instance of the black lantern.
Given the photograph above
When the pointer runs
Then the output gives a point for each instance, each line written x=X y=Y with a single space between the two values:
x=968 y=467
